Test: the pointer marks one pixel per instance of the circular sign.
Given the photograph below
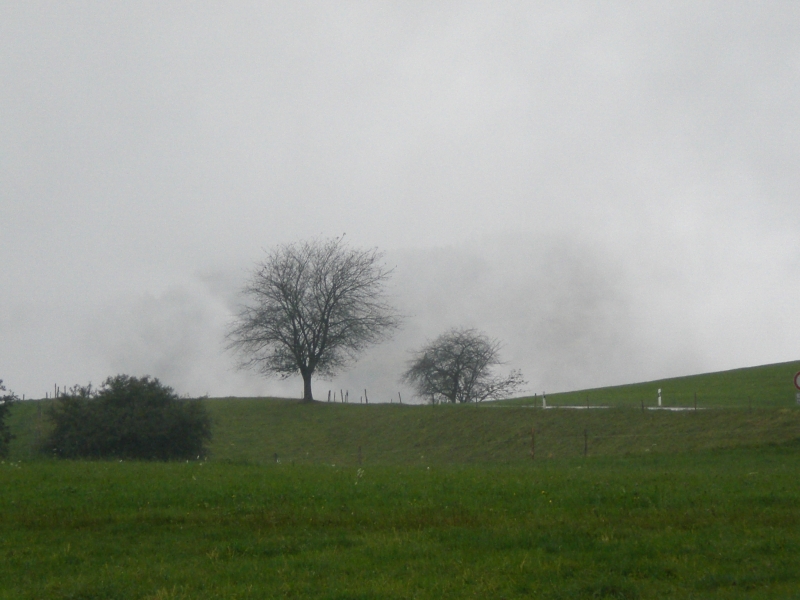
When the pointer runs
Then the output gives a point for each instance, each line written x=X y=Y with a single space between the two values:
x=797 y=380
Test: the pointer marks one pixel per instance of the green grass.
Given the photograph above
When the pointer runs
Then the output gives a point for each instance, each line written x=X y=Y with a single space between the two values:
x=249 y=430
x=441 y=502
x=720 y=524
x=767 y=385
x=258 y=429
x=255 y=430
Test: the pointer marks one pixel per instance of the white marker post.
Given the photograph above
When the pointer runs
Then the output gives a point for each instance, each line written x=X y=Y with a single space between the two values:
x=659 y=396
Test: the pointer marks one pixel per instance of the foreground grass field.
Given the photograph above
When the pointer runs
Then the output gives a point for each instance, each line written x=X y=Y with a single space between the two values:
x=721 y=524
x=388 y=501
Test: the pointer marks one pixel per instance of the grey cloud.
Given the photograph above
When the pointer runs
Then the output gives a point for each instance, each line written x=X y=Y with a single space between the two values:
x=608 y=187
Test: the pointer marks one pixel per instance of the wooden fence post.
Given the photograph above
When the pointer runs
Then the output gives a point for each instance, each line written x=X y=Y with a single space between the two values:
x=533 y=443
x=585 y=442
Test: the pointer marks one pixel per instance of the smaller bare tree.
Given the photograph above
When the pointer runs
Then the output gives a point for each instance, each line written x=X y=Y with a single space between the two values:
x=313 y=308
x=457 y=367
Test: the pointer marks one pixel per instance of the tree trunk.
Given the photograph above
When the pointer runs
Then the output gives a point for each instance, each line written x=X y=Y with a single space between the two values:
x=307 y=397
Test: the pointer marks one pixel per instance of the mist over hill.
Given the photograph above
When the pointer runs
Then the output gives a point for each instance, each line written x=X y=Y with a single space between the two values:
x=571 y=316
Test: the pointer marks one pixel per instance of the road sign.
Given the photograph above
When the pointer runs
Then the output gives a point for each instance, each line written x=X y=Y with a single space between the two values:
x=797 y=380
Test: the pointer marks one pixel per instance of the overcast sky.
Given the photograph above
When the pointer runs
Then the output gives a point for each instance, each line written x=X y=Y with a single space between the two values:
x=611 y=189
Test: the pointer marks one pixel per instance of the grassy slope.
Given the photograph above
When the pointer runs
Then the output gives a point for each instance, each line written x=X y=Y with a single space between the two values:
x=255 y=429
x=767 y=385
x=641 y=518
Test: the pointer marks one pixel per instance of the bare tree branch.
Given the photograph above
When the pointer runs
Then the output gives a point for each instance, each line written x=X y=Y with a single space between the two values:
x=313 y=308
x=456 y=367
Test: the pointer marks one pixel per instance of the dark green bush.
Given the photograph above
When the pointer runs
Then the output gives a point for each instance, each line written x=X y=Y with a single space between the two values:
x=128 y=418
x=6 y=401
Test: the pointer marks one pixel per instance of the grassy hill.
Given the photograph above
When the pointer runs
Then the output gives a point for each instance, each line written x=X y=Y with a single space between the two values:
x=737 y=408
x=767 y=385
x=448 y=504
x=250 y=430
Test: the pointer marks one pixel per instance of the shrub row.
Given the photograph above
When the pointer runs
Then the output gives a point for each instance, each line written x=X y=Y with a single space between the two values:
x=128 y=418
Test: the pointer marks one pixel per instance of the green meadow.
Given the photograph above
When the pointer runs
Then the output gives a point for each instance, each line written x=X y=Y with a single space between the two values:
x=390 y=501
x=767 y=385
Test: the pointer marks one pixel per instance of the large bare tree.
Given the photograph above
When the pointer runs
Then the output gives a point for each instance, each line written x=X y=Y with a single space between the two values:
x=457 y=367
x=312 y=307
